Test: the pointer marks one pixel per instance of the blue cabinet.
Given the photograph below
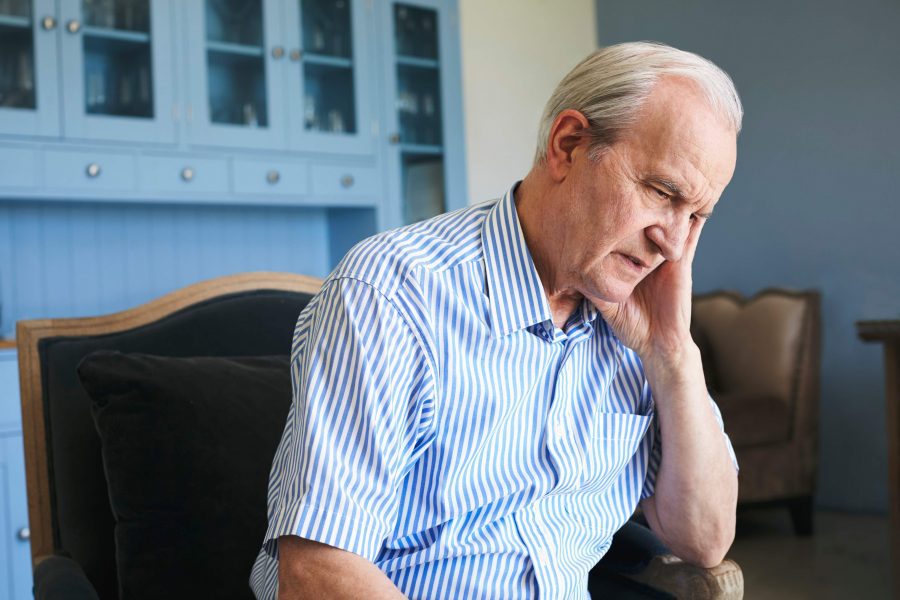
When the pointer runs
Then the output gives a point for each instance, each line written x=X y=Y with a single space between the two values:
x=15 y=553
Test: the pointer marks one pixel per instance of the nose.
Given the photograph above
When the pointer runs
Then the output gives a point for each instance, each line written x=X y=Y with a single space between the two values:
x=670 y=237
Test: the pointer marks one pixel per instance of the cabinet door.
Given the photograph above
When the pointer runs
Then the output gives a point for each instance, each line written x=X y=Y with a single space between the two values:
x=236 y=72
x=330 y=77
x=117 y=70
x=29 y=93
x=424 y=119
x=16 y=568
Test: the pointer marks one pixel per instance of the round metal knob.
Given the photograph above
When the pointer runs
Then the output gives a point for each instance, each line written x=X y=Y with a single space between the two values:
x=48 y=23
x=394 y=138
x=273 y=177
x=93 y=170
x=277 y=52
x=187 y=174
x=73 y=26
x=347 y=181
x=24 y=534
x=296 y=54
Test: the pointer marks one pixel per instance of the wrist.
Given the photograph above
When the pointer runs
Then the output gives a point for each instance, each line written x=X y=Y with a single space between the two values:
x=674 y=364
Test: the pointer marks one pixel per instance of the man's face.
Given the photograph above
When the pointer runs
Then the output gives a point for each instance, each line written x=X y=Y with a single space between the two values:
x=632 y=209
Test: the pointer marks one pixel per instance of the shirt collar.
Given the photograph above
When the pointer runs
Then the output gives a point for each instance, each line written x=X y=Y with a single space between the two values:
x=516 y=295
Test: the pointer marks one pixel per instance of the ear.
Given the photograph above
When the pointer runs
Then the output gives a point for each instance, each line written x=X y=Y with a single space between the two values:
x=568 y=135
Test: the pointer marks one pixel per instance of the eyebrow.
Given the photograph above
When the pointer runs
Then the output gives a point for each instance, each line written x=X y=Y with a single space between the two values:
x=673 y=189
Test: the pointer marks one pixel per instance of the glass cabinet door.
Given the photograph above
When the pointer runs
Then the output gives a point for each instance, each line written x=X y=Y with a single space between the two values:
x=28 y=89
x=236 y=79
x=418 y=135
x=330 y=72
x=117 y=70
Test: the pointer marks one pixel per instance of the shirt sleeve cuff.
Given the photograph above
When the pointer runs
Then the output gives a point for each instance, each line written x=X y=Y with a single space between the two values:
x=354 y=531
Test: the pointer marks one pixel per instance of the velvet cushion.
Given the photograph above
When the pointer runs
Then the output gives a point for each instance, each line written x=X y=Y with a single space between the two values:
x=187 y=444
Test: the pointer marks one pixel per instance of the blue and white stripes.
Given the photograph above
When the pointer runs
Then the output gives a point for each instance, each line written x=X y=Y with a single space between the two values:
x=445 y=430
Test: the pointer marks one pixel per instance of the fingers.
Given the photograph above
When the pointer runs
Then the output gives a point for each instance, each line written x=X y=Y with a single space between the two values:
x=693 y=238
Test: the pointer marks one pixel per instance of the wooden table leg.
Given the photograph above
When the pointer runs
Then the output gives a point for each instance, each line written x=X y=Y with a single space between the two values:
x=892 y=404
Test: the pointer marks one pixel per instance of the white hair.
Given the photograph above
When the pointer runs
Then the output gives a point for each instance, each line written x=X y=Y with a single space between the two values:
x=610 y=86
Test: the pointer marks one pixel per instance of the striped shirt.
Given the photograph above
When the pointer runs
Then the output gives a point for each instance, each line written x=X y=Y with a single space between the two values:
x=444 y=429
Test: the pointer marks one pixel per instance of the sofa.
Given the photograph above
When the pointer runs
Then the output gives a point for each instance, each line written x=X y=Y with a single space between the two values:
x=148 y=439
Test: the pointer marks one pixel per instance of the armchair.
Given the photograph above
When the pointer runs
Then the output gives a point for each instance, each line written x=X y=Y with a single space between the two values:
x=128 y=490
x=761 y=357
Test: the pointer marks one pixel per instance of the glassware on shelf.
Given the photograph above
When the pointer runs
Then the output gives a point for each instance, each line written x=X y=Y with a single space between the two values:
x=415 y=31
x=335 y=121
x=234 y=21
x=15 y=8
x=326 y=27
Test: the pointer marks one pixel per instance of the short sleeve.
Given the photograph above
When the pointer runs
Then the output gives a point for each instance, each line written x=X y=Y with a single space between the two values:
x=656 y=445
x=363 y=395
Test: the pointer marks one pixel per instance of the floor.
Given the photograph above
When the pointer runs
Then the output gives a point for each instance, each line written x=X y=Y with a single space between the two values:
x=847 y=558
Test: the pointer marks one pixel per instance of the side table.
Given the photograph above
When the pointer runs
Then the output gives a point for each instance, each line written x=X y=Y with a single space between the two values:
x=888 y=333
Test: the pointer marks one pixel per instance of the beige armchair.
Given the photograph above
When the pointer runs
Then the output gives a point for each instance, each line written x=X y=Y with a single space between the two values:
x=761 y=358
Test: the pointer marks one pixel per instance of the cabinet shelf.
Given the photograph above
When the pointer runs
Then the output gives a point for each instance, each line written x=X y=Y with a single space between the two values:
x=239 y=49
x=17 y=22
x=430 y=149
x=117 y=35
x=423 y=63
x=328 y=61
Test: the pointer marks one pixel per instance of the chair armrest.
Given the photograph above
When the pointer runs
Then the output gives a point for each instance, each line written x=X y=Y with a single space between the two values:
x=637 y=555
x=61 y=578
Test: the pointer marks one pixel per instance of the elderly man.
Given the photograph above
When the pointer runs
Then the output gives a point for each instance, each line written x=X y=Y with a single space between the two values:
x=482 y=399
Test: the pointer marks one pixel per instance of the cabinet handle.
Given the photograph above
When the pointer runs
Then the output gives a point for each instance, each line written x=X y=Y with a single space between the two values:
x=48 y=23
x=273 y=177
x=24 y=534
x=296 y=54
x=73 y=26
x=187 y=174
x=394 y=138
x=93 y=170
x=347 y=181
x=277 y=52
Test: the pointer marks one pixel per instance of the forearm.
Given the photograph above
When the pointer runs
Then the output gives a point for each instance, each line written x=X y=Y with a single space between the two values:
x=308 y=569
x=696 y=487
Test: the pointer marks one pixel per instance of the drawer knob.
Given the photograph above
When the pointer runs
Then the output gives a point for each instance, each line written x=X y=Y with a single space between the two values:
x=93 y=170
x=273 y=177
x=48 y=23
x=73 y=26
x=394 y=138
x=347 y=181
x=187 y=174
x=24 y=534
x=277 y=52
x=296 y=54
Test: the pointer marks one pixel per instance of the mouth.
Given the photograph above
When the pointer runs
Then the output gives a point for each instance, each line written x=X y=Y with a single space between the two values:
x=634 y=262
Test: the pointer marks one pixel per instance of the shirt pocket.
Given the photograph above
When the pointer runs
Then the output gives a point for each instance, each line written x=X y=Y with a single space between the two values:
x=614 y=440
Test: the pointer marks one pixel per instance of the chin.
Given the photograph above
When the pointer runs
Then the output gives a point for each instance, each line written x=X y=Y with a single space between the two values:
x=615 y=292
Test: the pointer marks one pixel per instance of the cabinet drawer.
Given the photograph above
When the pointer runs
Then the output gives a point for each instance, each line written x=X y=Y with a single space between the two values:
x=346 y=182
x=18 y=168
x=89 y=170
x=271 y=177
x=167 y=174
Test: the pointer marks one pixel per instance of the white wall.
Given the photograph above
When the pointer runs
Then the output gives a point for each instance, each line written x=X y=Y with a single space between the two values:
x=514 y=52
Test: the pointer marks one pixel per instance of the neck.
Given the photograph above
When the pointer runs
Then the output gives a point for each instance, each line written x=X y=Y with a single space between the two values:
x=546 y=242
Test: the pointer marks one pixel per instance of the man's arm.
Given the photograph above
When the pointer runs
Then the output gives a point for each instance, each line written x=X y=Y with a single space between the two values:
x=693 y=506
x=308 y=569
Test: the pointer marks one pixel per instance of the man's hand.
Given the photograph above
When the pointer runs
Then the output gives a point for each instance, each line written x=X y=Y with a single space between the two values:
x=308 y=569
x=655 y=321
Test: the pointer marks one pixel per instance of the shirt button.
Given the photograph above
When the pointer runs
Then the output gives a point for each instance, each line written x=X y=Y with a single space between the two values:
x=542 y=557
x=560 y=430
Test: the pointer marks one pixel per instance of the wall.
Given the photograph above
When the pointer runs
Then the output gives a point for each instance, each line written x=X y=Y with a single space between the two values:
x=814 y=200
x=514 y=52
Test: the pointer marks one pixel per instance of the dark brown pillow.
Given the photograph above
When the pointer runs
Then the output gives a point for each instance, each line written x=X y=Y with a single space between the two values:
x=187 y=446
